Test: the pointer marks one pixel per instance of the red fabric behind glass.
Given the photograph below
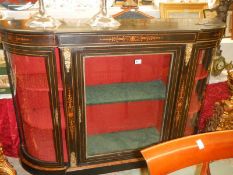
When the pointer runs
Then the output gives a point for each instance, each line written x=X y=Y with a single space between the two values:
x=118 y=69
x=105 y=118
x=33 y=97
x=114 y=117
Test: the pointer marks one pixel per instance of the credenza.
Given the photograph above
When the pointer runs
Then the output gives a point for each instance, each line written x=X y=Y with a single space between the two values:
x=88 y=100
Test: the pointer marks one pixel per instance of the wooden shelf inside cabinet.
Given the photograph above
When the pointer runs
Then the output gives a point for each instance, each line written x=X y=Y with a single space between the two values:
x=125 y=92
x=124 y=140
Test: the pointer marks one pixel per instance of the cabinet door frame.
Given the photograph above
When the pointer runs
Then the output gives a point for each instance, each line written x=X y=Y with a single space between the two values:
x=176 y=68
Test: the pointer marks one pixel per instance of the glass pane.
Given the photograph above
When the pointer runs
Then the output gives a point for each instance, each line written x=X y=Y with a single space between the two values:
x=125 y=97
x=197 y=94
x=32 y=94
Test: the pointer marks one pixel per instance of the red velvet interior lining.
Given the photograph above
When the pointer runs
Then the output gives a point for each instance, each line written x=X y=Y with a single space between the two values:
x=122 y=69
x=106 y=118
x=39 y=143
x=33 y=97
x=124 y=116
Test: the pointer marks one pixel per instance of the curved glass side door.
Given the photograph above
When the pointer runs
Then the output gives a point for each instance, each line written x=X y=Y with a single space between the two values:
x=37 y=105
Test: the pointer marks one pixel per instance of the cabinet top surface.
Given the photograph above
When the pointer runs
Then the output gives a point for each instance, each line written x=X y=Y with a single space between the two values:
x=154 y=25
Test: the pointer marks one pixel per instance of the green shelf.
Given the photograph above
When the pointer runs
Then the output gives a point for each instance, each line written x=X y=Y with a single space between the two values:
x=125 y=92
x=121 y=141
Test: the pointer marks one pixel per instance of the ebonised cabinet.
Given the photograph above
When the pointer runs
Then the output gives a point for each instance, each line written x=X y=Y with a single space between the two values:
x=88 y=100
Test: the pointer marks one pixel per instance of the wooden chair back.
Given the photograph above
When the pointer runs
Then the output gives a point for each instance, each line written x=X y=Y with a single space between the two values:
x=176 y=154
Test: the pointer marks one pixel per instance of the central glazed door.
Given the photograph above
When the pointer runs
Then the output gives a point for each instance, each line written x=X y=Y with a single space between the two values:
x=123 y=99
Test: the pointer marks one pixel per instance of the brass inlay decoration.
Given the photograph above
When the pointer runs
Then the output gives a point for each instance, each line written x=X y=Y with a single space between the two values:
x=131 y=38
x=70 y=113
x=67 y=58
x=188 y=52
x=179 y=103
x=222 y=118
x=21 y=39
x=73 y=159
x=30 y=39
x=17 y=38
x=5 y=167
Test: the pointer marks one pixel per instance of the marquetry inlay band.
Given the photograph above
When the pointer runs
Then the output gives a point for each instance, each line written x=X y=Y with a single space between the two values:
x=131 y=38
x=180 y=103
x=70 y=113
